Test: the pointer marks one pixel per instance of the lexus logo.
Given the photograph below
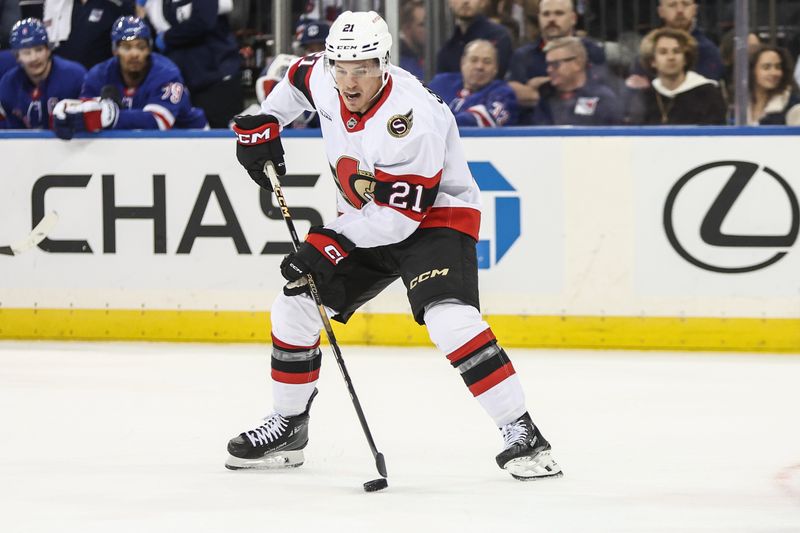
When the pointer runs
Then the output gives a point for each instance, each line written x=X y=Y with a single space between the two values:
x=711 y=232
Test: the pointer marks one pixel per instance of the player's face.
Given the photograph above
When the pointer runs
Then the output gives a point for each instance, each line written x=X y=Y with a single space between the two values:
x=556 y=18
x=358 y=82
x=478 y=66
x=133 y=55
x=34 y=60
x=467 y=8
x=769 y=70
x=668 y=57
x=677 y=14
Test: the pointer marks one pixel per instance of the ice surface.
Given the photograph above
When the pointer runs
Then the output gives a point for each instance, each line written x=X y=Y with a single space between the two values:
x=131 y=438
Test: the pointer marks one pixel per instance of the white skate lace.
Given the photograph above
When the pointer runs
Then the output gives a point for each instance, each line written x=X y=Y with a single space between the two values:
x=270 y=430
x=515 y=433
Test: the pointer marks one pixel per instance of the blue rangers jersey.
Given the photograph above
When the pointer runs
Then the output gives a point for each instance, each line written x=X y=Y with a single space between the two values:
x=492 y=106
x=160 y=102
x=24 y=105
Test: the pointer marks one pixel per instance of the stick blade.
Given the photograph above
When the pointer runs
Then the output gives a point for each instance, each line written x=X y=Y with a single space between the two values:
x=37 y=235
x=380 y=464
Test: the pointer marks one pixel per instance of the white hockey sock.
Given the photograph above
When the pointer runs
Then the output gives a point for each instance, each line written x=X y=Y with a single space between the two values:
x=296 y=357
x=459 y=331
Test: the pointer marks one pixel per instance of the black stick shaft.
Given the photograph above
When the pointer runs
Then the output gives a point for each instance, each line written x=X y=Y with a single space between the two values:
x=380 y=463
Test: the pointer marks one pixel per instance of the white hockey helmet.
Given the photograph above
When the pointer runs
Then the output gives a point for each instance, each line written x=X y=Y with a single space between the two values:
x=355 y=36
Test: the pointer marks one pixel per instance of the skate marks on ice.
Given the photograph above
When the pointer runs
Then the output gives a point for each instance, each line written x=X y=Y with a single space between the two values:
x=132 y=437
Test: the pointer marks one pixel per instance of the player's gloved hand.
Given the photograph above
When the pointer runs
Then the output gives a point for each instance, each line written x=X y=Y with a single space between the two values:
x=64 y=123
x=322 y=250
x=92 y=115
x=259 y=141
x=99 y=114
x=297 y=287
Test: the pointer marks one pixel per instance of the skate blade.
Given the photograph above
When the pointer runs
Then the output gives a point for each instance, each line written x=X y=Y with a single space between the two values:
x=538 y=466
x=273 y=461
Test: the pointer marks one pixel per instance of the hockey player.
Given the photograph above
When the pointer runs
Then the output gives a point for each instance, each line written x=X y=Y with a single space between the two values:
x=135 y=89
x=409 y=209
x=30 y=91
x=310 y=38
x=474 y=95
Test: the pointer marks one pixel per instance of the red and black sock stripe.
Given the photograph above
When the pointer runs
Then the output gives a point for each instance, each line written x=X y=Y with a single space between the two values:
x=295 y=364
x=482 y=363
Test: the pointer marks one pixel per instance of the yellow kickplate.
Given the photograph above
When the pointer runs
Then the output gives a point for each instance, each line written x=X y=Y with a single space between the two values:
x=641 y=333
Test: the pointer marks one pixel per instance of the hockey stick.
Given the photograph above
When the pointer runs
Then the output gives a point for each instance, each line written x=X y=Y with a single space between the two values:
x=380 y=463
x=37 y=235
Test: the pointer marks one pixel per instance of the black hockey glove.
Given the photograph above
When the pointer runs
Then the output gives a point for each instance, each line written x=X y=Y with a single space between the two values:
x=322 y=250
x=258 y=141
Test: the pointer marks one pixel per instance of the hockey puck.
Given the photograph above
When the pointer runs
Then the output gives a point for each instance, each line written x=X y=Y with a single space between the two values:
x=376 y=484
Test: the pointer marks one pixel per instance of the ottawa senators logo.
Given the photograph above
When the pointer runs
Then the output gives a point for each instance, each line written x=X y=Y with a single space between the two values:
x=400 y=125
x=363 y=187
x=356 y=185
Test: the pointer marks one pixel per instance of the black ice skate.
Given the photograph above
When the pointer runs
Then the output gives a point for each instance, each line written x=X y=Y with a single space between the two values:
x=277 y=443
x=527 y=453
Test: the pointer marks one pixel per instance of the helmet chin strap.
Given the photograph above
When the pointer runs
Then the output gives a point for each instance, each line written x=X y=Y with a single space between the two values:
x=385 y=80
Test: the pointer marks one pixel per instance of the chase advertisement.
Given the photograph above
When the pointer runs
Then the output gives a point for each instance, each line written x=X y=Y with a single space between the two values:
x=655 y=226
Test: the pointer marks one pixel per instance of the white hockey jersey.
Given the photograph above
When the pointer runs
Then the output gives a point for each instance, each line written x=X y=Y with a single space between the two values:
x=399 y=166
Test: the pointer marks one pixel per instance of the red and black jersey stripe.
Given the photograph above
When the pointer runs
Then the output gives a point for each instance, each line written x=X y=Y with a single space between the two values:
x=410 y=194
x=299 y=75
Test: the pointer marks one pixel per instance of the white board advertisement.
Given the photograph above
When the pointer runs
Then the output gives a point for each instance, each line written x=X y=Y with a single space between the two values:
x=601 y=226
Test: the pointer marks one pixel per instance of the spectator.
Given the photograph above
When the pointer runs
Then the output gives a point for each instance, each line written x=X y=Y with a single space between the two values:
x=727 y=52
x=471 y=24
x=135 y=89
x=474 y=95
x=412 y=38
x=79 y=29
x=507 y=14
x=9 y=14
x=557 y=19
x=682 y=15
x=530 y=20
x=196 y=36
x=774 y=98
x=310 y=36
x=572 y=97
x=678 y=95
x=30 y=91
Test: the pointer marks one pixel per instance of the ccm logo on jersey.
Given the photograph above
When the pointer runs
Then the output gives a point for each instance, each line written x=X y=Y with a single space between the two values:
x=428 y=275
x=333 y=254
